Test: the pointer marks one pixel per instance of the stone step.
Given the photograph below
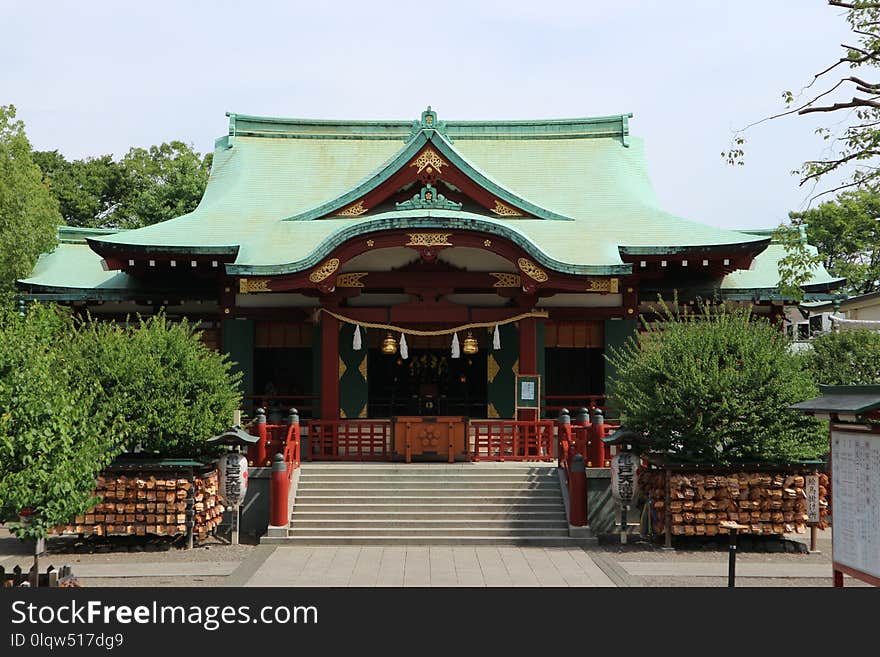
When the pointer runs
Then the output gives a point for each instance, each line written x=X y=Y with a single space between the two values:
x=384 y=524
x=299 y=514
x=425 y=493
x=428 y=476
x=506 y=532
x=416 y=469
x=428 y=505
x=439 y=539
x=434 y=484
x=377 y=463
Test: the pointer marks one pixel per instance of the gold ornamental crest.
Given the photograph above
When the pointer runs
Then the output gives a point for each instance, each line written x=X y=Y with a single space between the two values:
x=324 y=270
x=532 y=270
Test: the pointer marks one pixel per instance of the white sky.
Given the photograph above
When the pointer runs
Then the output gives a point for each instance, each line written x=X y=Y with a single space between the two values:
x=95 y=77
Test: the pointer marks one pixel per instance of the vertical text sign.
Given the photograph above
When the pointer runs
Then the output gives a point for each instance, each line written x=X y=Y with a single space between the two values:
x=811 y=489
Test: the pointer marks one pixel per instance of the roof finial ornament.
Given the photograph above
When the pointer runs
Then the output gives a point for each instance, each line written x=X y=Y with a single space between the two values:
x=429 y=199
x=428 y=122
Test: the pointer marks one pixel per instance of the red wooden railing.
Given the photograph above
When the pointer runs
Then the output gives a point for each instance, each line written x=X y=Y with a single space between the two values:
x=587 y=432
x=349 y=440
x=580 y=436
x=275 y=439
x=510 y=440
x=292 y=449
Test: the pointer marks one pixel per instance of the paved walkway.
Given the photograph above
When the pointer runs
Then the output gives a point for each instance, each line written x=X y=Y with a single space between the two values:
x=331 y=566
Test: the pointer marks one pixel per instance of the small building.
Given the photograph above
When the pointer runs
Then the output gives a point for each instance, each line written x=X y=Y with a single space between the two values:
x=367 y=270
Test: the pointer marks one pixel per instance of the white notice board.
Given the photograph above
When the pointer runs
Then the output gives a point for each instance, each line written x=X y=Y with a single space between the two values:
x=855 y=496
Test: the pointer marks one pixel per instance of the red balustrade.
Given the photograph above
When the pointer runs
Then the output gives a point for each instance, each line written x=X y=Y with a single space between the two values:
x=349 y=440
x=274 y=439
x=511 y=440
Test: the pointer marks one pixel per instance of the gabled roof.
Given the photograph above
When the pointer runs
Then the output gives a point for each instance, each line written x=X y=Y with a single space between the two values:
x=762 y=279
x=267 y=172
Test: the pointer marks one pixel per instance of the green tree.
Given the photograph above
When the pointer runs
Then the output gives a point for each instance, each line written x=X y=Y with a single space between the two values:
x=847 y=234
x=174 y=391
x=850 y=357
x=29 y=215
x=714 y=388
x=160 y=183
x=54 y=437
x=844 y=89
x=88 y=191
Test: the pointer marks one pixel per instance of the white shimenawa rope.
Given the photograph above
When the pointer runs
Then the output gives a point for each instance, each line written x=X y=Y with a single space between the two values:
x=845 y=323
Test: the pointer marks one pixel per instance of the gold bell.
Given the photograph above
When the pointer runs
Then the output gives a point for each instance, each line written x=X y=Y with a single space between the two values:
x=389 y=344
x=470 y=346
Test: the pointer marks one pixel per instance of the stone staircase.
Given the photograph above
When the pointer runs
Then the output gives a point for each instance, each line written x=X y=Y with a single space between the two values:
x=428 y=504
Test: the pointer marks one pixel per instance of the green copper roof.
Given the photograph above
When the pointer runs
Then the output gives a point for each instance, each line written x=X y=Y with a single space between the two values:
x=75 y=265
x=764 y=273
x=384 y=172
x=268 y=170
x=542 y=239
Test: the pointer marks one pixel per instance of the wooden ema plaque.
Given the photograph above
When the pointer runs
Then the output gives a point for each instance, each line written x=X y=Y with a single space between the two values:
x=429 y=438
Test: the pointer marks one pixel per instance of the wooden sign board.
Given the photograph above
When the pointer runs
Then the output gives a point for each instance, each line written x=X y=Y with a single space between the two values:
x=811 y=490
x=528 y=391
x=855 y=484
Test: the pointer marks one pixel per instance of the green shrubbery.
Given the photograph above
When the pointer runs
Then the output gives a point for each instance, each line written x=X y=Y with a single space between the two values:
x=713 y=388
x=173 y=391
x=74 y=396
x=849 y=357
x=54 y=435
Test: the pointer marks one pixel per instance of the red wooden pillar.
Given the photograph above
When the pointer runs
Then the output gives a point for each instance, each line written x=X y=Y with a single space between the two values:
x=528 y=358
x=329 y=367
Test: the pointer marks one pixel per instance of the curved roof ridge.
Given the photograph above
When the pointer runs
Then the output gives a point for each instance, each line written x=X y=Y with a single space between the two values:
x=615 y=125
x=404 y=155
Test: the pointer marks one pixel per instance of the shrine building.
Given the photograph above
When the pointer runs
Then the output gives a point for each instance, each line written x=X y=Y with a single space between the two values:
x=367 y=271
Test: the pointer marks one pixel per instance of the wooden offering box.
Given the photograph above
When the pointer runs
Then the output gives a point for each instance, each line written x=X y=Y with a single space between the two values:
x=429 y=438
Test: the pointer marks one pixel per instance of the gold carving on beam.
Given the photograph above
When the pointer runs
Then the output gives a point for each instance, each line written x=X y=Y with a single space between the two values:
x=324 y=270
x=532 y=270
x=352 y=279
x=503 y=210
x=428 y=239
x=504 y=279
x=353 y=210
x=428 y=159
x=487 y=242
x=248 y=285
x=611 y=285
x=370 y=243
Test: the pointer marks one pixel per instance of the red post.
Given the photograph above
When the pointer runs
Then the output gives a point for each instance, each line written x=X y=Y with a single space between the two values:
x=329 y=368
x=262 y=446
x=563 y=436
x=279 y=489
x=528 y=359
x=597 y=446
x=582 y=438
x=838 y=579
x=577 y=486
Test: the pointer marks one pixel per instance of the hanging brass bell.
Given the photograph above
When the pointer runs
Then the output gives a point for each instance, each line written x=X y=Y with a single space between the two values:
x=470 y=345
x=389 y=344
